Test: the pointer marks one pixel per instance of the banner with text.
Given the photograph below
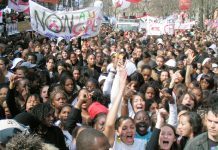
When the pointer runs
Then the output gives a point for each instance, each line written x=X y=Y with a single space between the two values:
x=159 y=26
x=67 y=24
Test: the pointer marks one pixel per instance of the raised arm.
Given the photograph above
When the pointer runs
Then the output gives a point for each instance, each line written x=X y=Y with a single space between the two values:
x=111 y=117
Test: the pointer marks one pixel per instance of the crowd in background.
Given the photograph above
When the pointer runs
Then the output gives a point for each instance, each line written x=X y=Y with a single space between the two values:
x=118 y=90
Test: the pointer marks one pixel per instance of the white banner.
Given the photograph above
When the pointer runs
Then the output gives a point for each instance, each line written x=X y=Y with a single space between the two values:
x=66 y=24
x=158 y=26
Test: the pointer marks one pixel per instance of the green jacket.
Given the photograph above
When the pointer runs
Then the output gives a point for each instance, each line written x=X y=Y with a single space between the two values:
x=200 y=142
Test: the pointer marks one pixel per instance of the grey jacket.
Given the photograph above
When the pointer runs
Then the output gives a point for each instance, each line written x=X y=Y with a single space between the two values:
x=200 y=142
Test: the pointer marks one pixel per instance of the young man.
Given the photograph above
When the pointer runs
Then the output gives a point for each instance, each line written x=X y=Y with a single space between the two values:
x=209 y=139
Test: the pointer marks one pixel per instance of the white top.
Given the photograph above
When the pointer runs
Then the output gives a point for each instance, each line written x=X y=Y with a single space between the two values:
x=137 y=145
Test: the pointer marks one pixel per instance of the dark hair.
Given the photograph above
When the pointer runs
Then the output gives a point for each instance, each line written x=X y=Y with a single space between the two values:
x=195 y=121
x=174 y=145
x=97 y=117
x=214 y=108
x=146 y=67
x=86 y=139
x=41 y=111
x=192 y=97
x=209 y=80
x=136 y=76
x=119 y=121
x=137 y=94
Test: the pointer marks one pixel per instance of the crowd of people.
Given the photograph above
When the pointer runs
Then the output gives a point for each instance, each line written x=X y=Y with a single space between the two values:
x=120 y=90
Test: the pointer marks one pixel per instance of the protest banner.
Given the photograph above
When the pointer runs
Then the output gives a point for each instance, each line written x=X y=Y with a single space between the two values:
x=159 y=26
x=19 y=5
x=67 y=24
x=1 y=16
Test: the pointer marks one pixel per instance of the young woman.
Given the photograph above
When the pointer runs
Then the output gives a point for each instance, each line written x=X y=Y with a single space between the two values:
x=63 y=114
x=49 y=133
x=163 y=136
x=188 y=99
x=58 y=99
x=190 y=125
x=121 y=135
x=69 y=86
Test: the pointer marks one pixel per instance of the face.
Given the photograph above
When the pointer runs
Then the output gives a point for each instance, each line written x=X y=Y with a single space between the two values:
x=198 y=94
x=49 y=119
x=44 y=93
x=153 y=108
x=68 y=86
x=50 y=64
x=85 y=94
x=99 y=125
x=164 y=76
x=31 y=102
x=91 y=60
x=212 y=125
x=159 y=62
x=138 y=53
x=149 y=94
x=99 y=58
x=126 y=131
x=3 y=92
x=64 y=113
x=146 y=73
x=138 y=103
x=73 y=58
x=188 y=101
x=76 y=75
x=60 y=69
x=23 y=87
x=20 y=74
x=90 y=86
x=2 y=65
x=31 y=59
x=142 y=122
x=204 y=84
x=59 y=100
x=184 y=127
x=64 y=55
x=167 y=138
x=178 y=78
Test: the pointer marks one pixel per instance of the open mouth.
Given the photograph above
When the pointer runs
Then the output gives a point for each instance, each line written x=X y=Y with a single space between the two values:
x=188 y=105
x=129 y=139
x=166 y=143
x=139 y=108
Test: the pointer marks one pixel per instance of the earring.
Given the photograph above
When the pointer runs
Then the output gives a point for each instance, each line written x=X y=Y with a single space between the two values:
x=118 y=139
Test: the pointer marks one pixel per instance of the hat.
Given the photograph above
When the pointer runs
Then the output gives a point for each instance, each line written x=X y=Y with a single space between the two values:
x=205 y=61
x=96 y=108
x=213 y=47
x=8 y=128
x=160 y=41
x=171 y=63
x=28 y=65
x=15 y=62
